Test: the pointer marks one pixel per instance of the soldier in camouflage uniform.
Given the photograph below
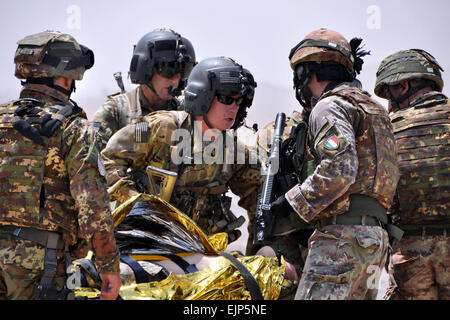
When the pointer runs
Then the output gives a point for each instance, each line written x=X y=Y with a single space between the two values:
x=207 y=160
x=353 y=184
x=411 y=81
x=161 y=63
x=53 y=193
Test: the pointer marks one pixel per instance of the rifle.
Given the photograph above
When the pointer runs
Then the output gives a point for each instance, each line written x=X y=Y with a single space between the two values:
x=118 y=77
x=264 y=219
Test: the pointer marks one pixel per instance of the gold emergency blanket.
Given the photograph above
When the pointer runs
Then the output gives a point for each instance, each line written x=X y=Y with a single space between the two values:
x=213 y=244
x=219 y=281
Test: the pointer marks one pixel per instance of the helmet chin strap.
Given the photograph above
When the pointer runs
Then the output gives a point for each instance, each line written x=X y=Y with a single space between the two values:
x=304 y=95
x=395 y=102
x=150 y=86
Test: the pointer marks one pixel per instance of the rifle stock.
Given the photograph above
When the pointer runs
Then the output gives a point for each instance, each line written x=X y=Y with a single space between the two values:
x=167 y=182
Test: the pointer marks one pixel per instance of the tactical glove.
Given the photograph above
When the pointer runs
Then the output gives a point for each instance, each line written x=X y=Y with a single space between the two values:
x=281 y=207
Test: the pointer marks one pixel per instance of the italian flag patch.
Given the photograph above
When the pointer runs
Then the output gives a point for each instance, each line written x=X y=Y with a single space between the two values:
x=332 y=143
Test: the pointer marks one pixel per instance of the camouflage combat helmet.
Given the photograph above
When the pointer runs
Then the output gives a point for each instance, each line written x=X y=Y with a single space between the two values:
x=163 y=51
x=406 y=65
x=323 y=45
x=327 y=54
x=51 y=54
x=218 y=75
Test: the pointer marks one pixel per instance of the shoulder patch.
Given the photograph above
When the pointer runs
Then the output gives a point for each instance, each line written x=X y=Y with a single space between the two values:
x=331 y=143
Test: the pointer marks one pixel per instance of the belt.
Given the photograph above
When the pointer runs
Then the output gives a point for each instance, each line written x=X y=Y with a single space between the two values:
x=348 y=220
x=366 y=211
x=426 y=230
x=35 y=235
x=363 y=210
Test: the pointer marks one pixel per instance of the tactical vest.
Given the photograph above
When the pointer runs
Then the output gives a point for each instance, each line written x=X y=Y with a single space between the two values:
x=422 y=134
x=200 y=188
x=34 y=184
x=129 y=106
x=377 y=170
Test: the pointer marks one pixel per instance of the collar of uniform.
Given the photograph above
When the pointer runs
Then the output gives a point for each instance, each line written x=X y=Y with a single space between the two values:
x=200 y=143
x=145 y=104
x=432 y=95
x=43 y=92
x=143 y=100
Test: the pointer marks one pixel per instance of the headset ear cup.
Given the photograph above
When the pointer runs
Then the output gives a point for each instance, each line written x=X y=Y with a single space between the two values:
x=139 y=69
x=134 y=62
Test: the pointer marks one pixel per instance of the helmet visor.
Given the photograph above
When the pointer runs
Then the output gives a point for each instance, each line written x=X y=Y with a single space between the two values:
x=168 y=69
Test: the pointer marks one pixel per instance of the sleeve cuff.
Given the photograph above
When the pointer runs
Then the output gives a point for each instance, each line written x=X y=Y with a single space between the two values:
x=299 y=203
x=108 y=266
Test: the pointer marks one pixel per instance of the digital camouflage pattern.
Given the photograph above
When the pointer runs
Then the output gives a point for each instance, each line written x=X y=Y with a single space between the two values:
x=365 y=165
x=421 y=267
x=343 y=263
x=120 y=110
x=406 y=65
x=75 y=199
x=31 y=51
x=422 y=133
x=200 y=188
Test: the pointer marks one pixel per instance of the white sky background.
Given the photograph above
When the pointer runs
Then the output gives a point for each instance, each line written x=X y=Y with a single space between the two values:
x=256 y=33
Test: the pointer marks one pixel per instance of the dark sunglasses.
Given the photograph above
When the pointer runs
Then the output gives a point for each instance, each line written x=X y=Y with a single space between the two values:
x=227 y=100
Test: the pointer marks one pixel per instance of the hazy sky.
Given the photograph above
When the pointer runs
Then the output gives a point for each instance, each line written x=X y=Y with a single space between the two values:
x=256 y=33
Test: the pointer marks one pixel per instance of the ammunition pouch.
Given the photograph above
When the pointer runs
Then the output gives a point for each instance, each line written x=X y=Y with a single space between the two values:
x=298 y=158
x=29 y=114
x=210 y=208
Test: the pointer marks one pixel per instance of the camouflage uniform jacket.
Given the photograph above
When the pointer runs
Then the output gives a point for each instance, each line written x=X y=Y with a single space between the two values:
x=199 y=185
x=422 y=133
x=122 y=109
x=348 y=161
x=70 y=197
